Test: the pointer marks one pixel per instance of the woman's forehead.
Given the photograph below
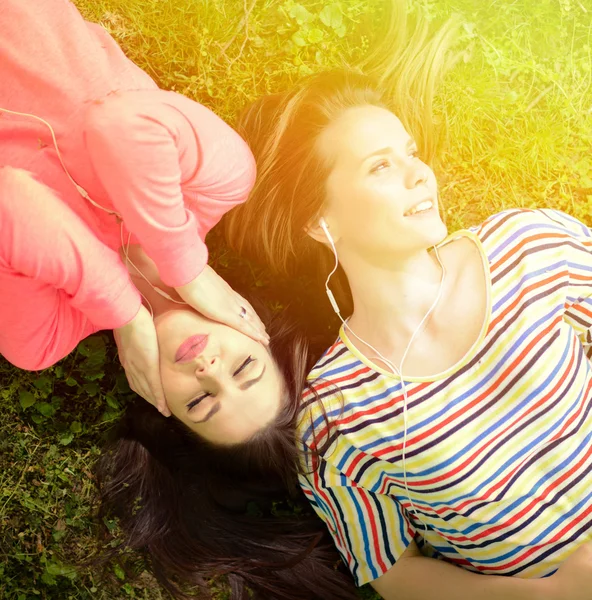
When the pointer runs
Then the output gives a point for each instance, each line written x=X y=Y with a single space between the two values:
x=360 y=131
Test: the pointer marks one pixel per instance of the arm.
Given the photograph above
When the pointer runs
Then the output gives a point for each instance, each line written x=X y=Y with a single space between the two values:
x=170 y=174
x=416 y=577
x=42 y=239
x=393 y=565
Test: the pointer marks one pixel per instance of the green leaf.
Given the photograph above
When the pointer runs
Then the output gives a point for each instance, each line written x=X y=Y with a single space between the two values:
x=44 y=385
x=109 y=415
x=56 y=569
x=92 y=345
x=341 y=31
x=298 y=39
x=57 y=535
x=119 y=572
x=71 y=382
x=92 y=388
x=332 y=16
x=301 y=14
x=111 y=524
x=48 y=579
x=95 y=351
x=315 y=36
x=38 y=419
x=76 y=427
x=26 y=399
x=112 y=401
x=66 y=438
x=46 y=409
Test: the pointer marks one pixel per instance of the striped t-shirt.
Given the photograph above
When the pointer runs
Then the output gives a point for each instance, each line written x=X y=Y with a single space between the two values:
x=499 y=447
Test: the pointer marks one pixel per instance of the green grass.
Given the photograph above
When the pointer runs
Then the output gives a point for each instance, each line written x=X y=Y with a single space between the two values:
x=518 y=114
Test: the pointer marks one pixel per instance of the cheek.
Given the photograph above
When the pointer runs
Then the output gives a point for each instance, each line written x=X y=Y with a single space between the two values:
x=372 y=206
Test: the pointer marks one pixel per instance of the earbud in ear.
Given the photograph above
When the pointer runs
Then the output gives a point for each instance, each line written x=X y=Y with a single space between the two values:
x=323 y=225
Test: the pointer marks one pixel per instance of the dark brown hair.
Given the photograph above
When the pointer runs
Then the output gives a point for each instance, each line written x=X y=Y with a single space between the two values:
x=197 y=510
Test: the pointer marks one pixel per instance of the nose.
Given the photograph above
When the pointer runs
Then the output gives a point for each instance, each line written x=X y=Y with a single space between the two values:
x=206 y=366
x=417 y=173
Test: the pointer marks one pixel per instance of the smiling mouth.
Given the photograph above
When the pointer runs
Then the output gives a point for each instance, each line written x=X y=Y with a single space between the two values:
x=422 y=207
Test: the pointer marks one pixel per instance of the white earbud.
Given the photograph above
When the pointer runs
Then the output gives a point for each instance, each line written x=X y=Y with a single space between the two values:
x=323 y=225
x=397 y=371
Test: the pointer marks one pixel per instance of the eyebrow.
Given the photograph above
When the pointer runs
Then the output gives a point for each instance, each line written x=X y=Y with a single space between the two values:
x=212 y=412
x=388 y=149
x=245 y=386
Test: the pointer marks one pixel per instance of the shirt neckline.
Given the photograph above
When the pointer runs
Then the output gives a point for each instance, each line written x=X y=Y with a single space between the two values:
x=474 y=347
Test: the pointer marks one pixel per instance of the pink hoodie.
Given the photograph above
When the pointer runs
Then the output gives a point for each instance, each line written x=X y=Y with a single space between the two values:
x=169 y=166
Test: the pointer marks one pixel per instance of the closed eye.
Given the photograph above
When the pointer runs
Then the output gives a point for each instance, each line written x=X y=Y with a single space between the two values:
x=203 y=396
x=197 y=400
x=244 y=365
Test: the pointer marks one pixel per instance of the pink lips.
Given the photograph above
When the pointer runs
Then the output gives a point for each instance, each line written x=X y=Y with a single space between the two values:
x=191 y=348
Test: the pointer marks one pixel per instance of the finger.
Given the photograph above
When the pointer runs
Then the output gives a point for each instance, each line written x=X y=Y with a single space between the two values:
x=252 y=314
x=140 y=386
x=146 y=392
x=133 y=385
x=248 y=315
x=160 y=399
x=157 y=392
x=246 y=327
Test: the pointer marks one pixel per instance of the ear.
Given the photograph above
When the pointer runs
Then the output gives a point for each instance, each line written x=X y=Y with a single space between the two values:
x=315 y=231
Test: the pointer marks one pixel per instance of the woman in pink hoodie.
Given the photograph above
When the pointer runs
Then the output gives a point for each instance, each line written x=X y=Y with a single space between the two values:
x=94 y=159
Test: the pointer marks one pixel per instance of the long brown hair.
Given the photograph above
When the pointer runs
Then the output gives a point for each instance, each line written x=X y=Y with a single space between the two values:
x=400 y=74
x=198 y=511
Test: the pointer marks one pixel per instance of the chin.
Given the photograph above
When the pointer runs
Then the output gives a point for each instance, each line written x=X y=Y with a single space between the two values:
x=440 y=232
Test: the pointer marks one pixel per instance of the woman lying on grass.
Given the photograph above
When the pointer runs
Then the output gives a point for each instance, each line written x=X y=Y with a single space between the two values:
x=95 y=158
x=452 y=413
x=189 y=490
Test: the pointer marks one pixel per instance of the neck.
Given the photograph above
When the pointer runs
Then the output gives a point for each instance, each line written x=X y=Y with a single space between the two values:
x=151 y=299
x=391 y=300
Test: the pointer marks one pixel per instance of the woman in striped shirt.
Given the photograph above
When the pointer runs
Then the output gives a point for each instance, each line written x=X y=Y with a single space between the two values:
x=451 y=418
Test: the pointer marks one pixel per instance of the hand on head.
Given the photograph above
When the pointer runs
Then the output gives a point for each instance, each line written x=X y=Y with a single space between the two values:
x=137 y=346
x=213 y=298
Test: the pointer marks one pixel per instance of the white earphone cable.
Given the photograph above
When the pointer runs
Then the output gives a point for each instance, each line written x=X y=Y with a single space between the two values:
x=85 y=195
x=395 y=370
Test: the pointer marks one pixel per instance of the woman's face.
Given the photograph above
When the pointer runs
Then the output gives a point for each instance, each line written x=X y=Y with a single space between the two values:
x=220 y=383
x=382 y=200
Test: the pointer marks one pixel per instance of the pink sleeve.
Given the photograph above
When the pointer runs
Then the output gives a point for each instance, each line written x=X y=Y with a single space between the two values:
x=138 y=146
x=41 y=238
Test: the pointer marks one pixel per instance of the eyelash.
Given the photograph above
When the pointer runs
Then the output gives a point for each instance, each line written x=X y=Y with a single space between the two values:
x=243 y=366
x=375 y=168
